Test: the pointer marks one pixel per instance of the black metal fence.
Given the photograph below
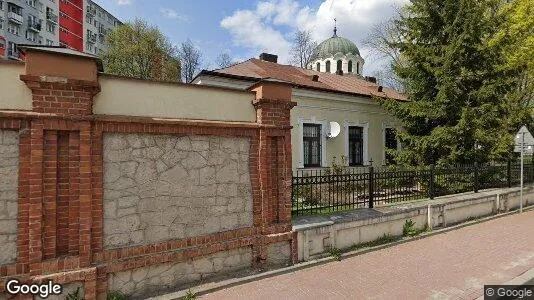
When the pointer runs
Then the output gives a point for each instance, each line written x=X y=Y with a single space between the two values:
x=328 y=190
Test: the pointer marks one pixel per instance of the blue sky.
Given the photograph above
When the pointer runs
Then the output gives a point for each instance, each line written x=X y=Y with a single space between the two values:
x=246 y=28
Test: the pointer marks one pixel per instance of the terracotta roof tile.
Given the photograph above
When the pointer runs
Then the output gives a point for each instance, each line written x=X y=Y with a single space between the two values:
x=258 y=69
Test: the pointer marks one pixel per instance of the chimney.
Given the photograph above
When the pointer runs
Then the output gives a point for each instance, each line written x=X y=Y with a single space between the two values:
x=269 y=57
x=370 y=79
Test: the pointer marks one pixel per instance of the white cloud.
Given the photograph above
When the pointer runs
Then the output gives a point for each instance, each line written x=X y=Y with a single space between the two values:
x=261 y=29
x=248 y=31
x=173 y=14
x=124 y=2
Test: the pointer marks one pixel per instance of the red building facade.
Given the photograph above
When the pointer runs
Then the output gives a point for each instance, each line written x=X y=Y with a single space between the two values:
x=71 y=24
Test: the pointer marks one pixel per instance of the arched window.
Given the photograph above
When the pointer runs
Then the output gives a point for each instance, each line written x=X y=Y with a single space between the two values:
x=327 y=66
x=350 y=66
x=319 y=67
x=358 y=68
x=339 y=65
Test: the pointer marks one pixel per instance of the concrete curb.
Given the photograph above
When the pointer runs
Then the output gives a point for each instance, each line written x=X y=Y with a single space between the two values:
x=522 y=279
x=215 y=286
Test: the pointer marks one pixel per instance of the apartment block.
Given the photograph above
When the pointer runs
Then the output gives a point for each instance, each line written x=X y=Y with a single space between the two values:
x=77 y=24
x=98 y=22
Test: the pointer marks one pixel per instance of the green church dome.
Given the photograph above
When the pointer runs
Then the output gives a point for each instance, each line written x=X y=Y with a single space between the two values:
x=333 y=45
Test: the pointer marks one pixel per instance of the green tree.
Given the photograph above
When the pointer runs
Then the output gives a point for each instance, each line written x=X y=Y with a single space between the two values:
x=516 y=34
x=139 y=50
x=515 y=41
x=458 y=110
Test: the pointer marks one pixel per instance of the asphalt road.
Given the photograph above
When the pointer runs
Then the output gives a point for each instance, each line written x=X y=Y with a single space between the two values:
x=452 y=265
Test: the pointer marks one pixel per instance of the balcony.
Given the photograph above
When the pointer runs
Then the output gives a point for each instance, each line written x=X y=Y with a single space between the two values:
x=91 y=11
x=50 y=16
x=34 y=26
x=91 y=38
x=15 y=17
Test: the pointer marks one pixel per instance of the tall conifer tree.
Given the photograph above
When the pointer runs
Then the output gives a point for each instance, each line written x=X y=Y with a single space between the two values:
x=458 y=110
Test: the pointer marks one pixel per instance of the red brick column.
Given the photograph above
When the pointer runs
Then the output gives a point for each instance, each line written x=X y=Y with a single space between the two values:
x=59 y=171
x=273 y=106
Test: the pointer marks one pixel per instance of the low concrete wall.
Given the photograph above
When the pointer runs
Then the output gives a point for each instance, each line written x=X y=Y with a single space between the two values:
x=344 y=231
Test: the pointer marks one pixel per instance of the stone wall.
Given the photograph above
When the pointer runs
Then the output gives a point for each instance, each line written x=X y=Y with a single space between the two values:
x=159 y=278
x=164 y=187
x=9 y=166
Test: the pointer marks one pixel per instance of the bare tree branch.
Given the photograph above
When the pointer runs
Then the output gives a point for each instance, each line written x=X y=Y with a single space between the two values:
x=191 y=59
x=224 y=60
x=302 y=49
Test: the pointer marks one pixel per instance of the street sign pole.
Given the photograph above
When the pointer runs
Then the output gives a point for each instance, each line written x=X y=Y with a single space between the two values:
x=521 y=193
x=523 y=139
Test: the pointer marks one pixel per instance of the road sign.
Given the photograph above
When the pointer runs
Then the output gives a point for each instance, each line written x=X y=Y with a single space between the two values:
x=528 y=150
x=523 y=135
x=524 y=142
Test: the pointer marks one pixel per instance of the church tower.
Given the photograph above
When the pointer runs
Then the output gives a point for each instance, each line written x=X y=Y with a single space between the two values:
x=336 y=55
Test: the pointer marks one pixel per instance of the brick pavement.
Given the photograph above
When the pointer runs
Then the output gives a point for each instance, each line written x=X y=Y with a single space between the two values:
x=452 y=265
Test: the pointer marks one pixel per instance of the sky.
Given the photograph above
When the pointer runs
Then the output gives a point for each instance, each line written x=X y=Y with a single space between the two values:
x=245 y=28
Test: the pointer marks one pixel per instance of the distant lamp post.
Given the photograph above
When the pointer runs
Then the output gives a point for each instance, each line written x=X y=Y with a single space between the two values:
x=523 y=144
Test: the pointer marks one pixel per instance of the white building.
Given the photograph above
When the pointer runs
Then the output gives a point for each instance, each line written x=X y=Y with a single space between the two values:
x=326 y=99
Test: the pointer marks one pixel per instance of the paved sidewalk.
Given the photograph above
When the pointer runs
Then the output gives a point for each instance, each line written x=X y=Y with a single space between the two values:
x=452 y=265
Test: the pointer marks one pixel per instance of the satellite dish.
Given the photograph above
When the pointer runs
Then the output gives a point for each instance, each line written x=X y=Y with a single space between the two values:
x=333 y=130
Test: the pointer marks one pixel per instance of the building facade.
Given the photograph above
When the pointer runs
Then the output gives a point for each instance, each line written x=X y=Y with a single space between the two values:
x=337 y=117
x=97 y=23
x=77 y=24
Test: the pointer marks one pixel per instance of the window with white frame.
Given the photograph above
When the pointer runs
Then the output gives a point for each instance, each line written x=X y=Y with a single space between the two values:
x=13 y=29
x=31 y=36
x=311 y=144
x=357 y=142
x=11 y=49
x=31 y=3
x=391 y=143
x=49 y=42
x=355 y=145
x=50 y=27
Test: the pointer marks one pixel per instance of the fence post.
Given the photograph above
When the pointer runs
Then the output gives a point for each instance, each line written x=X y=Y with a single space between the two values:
x=509 y=173
x=431 y=183
x=475 y=175
x=371 y=187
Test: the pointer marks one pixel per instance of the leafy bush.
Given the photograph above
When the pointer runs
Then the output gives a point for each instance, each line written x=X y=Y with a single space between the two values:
x=190 y=295
x=116 y=296
x=309 y=196
x=335 y=253
x=74 y=295
x=408 y=229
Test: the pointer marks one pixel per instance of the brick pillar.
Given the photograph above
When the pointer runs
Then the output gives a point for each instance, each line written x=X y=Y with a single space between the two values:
x=60 y=186
x=273 y=106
